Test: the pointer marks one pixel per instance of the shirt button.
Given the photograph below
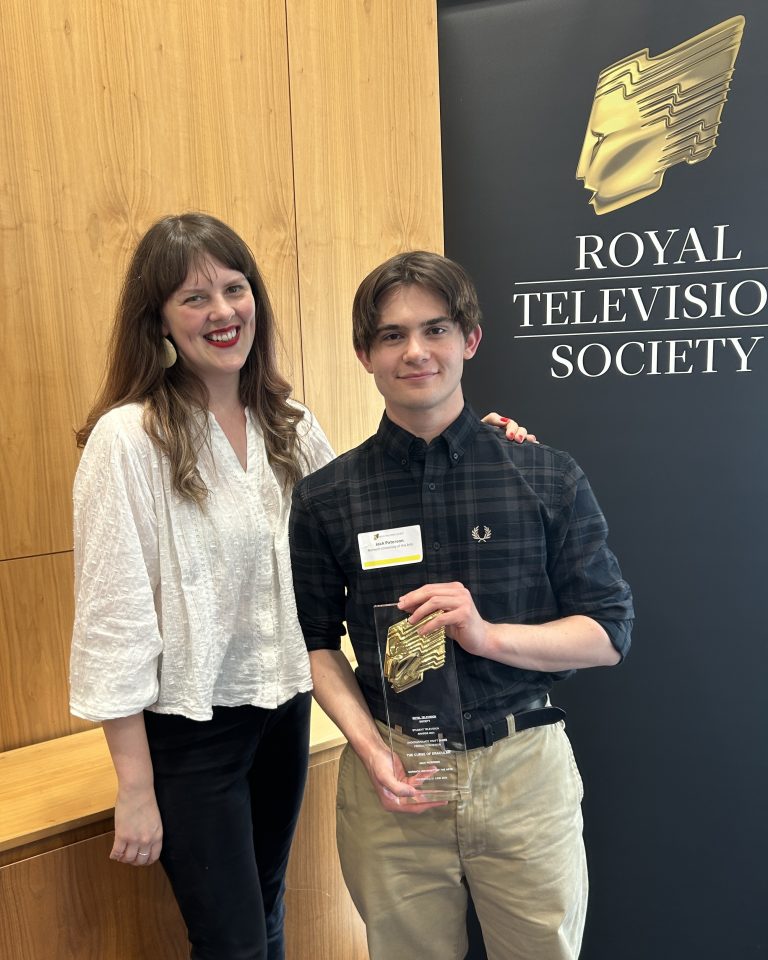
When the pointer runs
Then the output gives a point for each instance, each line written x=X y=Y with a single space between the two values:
x=404 y=463
x=467 y=716
x=436 y=545
x=455 y=456
x=431 y=486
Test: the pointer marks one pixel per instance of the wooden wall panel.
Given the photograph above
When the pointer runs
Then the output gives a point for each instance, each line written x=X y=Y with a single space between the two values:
x=73 y=902
x=322 y=921
x=76 y=904
x=113 y=114
x=366 y=135
x=36 y=608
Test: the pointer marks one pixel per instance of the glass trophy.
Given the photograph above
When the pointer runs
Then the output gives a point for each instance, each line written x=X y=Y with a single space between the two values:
x=423 y=709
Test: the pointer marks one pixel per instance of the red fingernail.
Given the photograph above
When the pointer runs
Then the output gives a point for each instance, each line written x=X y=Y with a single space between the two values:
x=504 y=419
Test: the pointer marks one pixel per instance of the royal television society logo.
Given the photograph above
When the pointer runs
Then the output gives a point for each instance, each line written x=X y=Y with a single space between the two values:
x=669 y=301
x=650 y=113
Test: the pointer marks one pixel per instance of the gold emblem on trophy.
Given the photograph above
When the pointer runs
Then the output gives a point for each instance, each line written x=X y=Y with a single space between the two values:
x=408 y=654
x=650 y=113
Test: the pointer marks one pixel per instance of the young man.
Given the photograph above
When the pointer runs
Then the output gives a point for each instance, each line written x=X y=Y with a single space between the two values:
x=534 y=597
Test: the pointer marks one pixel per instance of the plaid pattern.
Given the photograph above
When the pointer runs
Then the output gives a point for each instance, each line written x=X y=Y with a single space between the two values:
x=544 y=555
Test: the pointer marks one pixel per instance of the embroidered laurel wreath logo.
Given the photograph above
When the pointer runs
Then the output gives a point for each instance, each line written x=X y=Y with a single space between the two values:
x=476 y=534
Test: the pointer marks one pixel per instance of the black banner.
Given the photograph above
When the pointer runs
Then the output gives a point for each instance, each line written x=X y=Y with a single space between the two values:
x=604 y=182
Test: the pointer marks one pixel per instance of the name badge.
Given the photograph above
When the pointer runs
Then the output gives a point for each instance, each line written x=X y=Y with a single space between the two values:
x=390 y=548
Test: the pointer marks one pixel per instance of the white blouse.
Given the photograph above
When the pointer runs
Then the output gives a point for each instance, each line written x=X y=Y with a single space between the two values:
x=181 y=607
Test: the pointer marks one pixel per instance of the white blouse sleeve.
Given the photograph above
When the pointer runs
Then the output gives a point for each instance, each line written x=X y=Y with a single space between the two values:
x=116 y=640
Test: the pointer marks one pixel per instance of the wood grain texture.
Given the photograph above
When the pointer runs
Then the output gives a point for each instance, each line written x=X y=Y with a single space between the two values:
x=36 y=610
x=113 y=115
x=322 y=921
x=55 y=787
x=77 y=904
x=366 y=134
x=73 y=902
x=54 y=842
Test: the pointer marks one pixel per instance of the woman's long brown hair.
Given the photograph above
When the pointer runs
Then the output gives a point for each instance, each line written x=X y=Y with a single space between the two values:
x=174 y=398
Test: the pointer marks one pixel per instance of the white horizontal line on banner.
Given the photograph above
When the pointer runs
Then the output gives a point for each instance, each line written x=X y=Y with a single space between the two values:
x=629 y=333
x=639 y=276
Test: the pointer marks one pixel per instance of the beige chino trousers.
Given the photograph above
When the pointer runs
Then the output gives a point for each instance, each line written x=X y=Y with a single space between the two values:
x=517 y=839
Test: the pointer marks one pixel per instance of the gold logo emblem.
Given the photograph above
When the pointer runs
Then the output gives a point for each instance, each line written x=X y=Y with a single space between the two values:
x=408 y=654
x=650 y=113
x=485 y=537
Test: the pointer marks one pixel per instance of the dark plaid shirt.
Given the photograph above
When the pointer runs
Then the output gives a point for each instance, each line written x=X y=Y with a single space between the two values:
x=542 y=553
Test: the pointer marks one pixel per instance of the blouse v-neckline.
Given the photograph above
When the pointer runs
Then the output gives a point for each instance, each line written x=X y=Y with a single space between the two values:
x=231 y=452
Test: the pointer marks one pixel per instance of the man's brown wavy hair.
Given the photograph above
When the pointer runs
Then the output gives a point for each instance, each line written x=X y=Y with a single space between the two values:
x=441 y=276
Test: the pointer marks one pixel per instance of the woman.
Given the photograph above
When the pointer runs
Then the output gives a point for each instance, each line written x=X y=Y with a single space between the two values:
x=186 y=644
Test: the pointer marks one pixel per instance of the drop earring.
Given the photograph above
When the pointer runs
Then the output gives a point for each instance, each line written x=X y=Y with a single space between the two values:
x=169 y=355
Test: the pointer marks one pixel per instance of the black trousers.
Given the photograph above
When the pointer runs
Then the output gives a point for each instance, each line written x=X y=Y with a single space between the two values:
x=229 y=791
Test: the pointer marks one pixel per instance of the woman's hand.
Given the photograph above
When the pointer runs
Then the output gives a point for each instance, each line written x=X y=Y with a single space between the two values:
x=512 y=428
x=138 y=828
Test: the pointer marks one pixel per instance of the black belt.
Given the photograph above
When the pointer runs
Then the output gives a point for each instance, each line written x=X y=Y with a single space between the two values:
x=536 y=714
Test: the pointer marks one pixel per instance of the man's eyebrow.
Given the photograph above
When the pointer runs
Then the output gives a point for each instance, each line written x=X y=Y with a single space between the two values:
x=434 y=321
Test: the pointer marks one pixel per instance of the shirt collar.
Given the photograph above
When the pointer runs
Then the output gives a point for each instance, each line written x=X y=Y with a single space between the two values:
x=453 y=441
